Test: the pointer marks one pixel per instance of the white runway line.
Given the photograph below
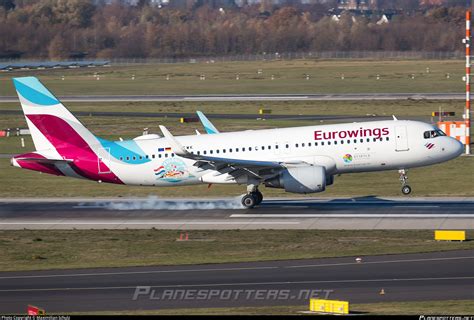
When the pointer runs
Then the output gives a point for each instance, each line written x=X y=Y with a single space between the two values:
x=243 y=284
x=353 y=215
x=150 y=222
x=414 y=206
x=231 y=269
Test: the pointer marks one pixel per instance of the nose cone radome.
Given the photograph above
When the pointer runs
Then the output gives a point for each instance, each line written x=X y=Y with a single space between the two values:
x=456 y=148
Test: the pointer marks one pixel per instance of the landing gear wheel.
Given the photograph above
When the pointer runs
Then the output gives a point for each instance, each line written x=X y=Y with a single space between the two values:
x=249 y=201
x=258 y=196
x=406 y=190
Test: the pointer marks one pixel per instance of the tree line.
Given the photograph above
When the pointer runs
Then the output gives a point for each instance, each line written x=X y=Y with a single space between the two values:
x=60 y=29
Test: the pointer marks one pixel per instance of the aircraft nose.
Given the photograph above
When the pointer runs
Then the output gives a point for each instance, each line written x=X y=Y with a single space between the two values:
x=456 y=148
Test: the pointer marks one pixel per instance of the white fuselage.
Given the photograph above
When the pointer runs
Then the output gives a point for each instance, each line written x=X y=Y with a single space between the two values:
x=340 y=148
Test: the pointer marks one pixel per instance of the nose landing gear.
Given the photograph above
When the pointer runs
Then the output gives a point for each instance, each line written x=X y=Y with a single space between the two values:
x=406 y=189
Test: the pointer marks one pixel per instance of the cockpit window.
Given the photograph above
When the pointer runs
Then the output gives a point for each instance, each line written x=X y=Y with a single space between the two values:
x=433 y=134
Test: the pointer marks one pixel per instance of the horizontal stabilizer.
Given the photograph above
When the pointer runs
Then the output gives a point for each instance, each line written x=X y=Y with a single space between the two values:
x=45 y=160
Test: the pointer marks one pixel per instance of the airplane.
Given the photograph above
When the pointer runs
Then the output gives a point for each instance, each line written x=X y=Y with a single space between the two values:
x=298 y=159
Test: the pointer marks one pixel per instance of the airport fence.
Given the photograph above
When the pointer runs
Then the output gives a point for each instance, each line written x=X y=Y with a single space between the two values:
x=344 y=55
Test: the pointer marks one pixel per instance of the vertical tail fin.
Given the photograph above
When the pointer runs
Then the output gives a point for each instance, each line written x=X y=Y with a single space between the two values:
x=52 y=126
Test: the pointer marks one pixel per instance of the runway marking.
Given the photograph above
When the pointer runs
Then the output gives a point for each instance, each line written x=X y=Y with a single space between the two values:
x=154 y=222
x=379 y=262
x=133 y=272
x=416 y=206
x=90 y=207
x=228 y=269
x=240 y=284
x=352 y=215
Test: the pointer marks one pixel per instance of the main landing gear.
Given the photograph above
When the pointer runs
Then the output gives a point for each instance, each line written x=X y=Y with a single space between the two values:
x=406 y=189
x=252 y=198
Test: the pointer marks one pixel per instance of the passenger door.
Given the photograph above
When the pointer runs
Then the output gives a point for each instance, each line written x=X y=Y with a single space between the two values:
x=401 y=138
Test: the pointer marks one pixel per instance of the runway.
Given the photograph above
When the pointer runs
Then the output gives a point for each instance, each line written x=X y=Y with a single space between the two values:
x=234 y=116
x=368 y=213
x=256 y=97
x=409 y=277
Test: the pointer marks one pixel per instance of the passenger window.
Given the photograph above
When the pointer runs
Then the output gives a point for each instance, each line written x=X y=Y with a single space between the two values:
x=269 y=147
x=309 y=144
x=348 y=141
x=302 y=144
x=128 y=158
x=342 y=141
x=217 y=151
x=243 y=149
x=322 y=143
x=287 y=146
x=205 y=152
x=223 y=150
x=355 y=140
x=121 y=158
x=159 y=156
x=250 y=148
x=166 y=155
x=153 y=156
x=236 y=149
x=263 y=148
x=387 y=138
x=172 y=154
x=141 y=157
x=315 y=144
x=329 y=143
x=199 y=153
x=230 y=150
x=361 y=140
x=211 y=152
x=134 y=158
x=296 y=145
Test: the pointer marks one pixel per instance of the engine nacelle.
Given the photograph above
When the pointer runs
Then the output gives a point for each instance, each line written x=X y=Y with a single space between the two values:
x=308 y=179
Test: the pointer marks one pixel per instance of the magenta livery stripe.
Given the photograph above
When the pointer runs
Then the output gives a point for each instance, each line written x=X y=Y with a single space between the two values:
x=70 y=145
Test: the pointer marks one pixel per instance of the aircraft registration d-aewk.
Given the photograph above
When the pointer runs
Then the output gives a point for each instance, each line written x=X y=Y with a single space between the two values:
x=298 y=160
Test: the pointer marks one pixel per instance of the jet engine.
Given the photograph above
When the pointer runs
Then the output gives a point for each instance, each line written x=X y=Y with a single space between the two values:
x=307 y=179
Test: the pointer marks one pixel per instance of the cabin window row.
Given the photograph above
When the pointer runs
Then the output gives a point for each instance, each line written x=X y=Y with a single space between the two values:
x=244 y=149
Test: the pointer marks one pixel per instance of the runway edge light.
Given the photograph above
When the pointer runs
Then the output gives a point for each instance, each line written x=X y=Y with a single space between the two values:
x=329 y=306
x=450 y=235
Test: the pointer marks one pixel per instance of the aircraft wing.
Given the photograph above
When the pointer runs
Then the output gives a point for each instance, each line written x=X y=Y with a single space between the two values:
x=234 y=167
x=210 y=128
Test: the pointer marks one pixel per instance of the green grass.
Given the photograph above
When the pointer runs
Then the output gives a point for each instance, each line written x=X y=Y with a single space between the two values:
x=401 y=108
x=359 y=76
x=56 y=249
x=444 y=307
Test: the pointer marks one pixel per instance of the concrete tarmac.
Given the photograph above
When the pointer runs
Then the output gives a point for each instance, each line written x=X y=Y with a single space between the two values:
x=369 y=213
x=409 y=277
